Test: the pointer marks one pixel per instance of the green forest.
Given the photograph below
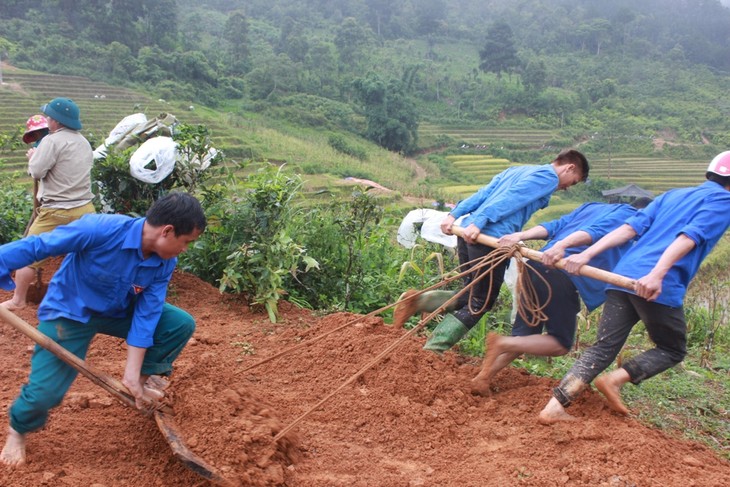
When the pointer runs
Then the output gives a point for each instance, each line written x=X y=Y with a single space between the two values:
x=620 y=72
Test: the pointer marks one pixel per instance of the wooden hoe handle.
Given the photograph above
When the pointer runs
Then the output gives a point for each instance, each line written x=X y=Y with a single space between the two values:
x=586 y=270
x=110 y=384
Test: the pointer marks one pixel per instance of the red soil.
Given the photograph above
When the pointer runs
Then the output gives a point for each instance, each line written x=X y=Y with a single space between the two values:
x=408 y=421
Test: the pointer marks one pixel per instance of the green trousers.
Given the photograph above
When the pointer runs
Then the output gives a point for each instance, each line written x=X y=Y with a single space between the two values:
x=50 y=377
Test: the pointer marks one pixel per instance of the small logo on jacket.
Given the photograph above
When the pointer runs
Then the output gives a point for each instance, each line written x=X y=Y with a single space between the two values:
x=137 y=289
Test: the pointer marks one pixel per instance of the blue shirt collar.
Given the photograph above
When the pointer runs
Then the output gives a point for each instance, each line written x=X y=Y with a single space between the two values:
x=133 y=240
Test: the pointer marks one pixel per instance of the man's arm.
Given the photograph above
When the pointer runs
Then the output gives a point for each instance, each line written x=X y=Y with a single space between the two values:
x=518 y=195
x=649 y=287
x=535 y=233
x=132 y=374
x=621 y=235
x=576 y=239
x=42 y=159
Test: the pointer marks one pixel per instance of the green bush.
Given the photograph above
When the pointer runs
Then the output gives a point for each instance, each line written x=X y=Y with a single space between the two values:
x=117 y=191
x=340 y=144
x=15 y=208
x=247 y=248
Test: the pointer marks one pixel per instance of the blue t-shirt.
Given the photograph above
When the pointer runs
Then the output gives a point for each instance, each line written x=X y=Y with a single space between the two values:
x=509 y=200
x=701 y=213
x=596 y=219
x=104 y=273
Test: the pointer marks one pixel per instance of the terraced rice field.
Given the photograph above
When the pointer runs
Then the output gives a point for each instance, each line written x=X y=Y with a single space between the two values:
x=654 y=173
x=513 y=138
x=102 y=106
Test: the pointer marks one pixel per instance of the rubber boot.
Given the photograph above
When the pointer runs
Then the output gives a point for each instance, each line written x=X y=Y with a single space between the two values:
x=446 y=334
x=427 y=302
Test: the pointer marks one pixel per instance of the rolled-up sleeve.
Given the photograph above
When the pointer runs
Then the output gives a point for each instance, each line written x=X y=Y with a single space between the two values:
x=148 y=309
x=708 y=224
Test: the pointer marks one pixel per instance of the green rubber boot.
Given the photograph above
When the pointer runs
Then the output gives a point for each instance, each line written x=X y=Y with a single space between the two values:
x=446 y=334
x=430 y=301
x=427 y=302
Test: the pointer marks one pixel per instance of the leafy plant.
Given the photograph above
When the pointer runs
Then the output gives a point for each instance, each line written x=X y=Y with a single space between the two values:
x=15 y=209
x=359 y=260
x=420 y=267
x=118 y=191
x=267 y=252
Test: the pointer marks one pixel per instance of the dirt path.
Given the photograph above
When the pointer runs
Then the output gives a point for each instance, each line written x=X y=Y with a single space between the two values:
x=410 y=421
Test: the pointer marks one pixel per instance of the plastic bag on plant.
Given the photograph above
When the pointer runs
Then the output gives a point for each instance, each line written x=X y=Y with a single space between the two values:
x=154 y=160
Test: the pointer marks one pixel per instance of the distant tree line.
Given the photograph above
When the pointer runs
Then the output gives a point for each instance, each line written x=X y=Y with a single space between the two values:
x=393 y=61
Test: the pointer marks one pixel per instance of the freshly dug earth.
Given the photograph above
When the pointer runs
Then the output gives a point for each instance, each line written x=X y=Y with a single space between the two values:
x=408 y=421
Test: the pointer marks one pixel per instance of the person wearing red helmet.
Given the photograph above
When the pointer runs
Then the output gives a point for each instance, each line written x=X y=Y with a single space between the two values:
x=673 y=235
x=36 y=127
x=62 y=166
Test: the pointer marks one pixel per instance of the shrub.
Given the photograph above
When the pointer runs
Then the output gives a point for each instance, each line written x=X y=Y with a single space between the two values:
x=15 y=209
x=260 y=251
x=340 y=144
x=360 y=262
x=117 y=191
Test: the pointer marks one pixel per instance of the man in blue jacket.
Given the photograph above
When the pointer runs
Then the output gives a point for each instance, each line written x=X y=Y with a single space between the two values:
x=500 y=208
x=568 y=235
x=114 y=281
x=674 y=234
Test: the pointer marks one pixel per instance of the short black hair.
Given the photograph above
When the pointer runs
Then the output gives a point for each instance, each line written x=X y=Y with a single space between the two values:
x=181 y=210
x=723 y=181
x=641 y=202
x=572 y=156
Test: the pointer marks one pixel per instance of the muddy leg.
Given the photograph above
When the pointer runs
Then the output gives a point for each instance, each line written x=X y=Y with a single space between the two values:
x=495 y=360
x=23 y=279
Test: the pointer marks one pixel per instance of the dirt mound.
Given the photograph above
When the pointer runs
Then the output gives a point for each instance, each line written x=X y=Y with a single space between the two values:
x=410 y=420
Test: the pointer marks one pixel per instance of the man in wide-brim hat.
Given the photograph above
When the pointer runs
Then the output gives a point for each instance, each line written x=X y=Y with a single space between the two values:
x=62 y=165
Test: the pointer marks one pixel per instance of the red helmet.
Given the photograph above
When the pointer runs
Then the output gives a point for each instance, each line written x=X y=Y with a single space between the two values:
x=36 y=122
x=720 y=165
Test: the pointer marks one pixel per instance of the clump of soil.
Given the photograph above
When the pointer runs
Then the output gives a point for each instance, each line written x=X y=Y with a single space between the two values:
x=409 y=420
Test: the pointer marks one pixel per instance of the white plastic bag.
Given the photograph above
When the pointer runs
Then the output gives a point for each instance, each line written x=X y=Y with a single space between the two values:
x=407 y=234
x=154 y=160
x=122 y=128
x=430 y=228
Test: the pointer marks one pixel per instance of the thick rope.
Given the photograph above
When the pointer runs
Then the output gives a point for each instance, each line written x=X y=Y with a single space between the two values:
x=527 y=305
x=439 y=284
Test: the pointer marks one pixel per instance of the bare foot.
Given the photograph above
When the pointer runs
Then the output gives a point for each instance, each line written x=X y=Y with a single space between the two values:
x=611 y=389
x=13 y=454
x=405 y=309
x=553 y=413
x=157 y=382
x=493 y=351
x=12 y=305
x=480 y=387
x=480 y=383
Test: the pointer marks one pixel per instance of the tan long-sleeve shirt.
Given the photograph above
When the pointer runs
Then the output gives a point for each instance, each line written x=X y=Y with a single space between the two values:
x=62 y=162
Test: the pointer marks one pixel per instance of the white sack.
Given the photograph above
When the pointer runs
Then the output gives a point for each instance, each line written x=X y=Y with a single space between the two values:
x=154 y=160
x=430 y=228
x=122 y=128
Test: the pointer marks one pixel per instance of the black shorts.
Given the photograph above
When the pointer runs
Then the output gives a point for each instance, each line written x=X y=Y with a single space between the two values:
x=561 y=311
